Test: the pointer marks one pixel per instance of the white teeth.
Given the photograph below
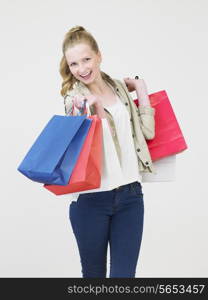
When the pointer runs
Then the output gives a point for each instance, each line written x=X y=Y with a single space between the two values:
x=85 y=74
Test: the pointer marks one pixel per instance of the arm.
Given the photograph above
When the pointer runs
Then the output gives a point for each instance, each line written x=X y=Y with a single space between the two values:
x=98 y=108
x=145 y=111
x=68 y=105
x=142 y=93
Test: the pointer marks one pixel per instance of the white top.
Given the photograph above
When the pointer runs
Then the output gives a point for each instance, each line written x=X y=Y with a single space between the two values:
x=129 y=163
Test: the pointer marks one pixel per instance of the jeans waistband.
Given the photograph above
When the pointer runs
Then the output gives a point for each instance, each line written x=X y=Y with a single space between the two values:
x=126 y=186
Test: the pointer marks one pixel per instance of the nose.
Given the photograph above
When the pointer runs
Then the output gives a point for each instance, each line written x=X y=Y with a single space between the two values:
x=82 y=72
x=82 y=69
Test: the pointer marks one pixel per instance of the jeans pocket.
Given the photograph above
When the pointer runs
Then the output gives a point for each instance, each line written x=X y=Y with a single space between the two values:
x=137 y=188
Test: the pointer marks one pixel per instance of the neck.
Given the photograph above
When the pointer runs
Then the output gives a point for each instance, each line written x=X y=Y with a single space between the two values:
x=98 y=86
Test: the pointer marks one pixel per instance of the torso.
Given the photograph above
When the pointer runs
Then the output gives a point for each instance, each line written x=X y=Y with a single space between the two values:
x=109 y=100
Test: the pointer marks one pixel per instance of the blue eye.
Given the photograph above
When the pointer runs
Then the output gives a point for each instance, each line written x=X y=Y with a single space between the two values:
x=87 y=58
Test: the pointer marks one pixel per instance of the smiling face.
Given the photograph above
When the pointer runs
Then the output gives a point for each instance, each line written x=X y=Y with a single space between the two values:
x=83 y=62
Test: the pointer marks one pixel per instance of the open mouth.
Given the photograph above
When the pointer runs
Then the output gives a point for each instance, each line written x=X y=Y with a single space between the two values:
x=87 y=76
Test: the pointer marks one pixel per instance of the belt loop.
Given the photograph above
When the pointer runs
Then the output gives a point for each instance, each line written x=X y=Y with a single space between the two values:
x=132 y=186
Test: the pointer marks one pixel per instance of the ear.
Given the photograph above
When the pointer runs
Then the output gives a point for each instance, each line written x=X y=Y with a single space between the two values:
x=99 y=56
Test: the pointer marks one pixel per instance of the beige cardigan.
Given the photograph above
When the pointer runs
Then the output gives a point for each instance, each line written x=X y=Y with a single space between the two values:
x=142 y=121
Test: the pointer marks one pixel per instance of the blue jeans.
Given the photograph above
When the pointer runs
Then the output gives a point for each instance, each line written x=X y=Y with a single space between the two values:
x=116 y=217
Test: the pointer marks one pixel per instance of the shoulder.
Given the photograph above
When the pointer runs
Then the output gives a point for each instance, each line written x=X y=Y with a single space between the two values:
x=118 y=82
x=121 y=85
x=78 y=88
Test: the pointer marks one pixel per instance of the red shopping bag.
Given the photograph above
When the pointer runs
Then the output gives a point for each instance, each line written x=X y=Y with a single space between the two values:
x=168 y=138
x=86 y=174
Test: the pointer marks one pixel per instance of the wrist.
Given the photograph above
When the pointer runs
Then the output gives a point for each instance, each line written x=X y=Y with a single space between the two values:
x=98 y=105
x=141 y=89
x=99 y=110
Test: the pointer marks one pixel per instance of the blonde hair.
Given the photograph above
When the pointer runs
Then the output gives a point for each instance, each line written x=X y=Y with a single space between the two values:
x=74 y=36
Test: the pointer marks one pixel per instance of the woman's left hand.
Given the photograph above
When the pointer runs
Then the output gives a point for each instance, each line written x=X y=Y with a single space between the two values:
x=133 y=84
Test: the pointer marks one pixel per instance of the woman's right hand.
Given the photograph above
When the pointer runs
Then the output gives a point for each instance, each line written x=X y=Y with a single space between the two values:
x=78 y=100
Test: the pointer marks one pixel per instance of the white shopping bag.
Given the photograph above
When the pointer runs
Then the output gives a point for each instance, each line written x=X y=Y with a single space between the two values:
x=165 y=170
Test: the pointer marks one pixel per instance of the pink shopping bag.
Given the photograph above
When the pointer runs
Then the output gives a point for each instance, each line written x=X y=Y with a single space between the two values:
x=168 y=138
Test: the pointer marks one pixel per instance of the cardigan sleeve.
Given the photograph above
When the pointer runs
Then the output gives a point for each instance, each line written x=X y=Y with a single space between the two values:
x=147 y=121
x=146 y=116
x=68 y=104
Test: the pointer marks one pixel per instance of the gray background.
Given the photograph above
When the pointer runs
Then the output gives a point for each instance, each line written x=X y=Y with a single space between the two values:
x=165 y=43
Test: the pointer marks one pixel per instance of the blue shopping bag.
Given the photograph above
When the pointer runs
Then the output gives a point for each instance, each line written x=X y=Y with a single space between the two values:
x=53 y=155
